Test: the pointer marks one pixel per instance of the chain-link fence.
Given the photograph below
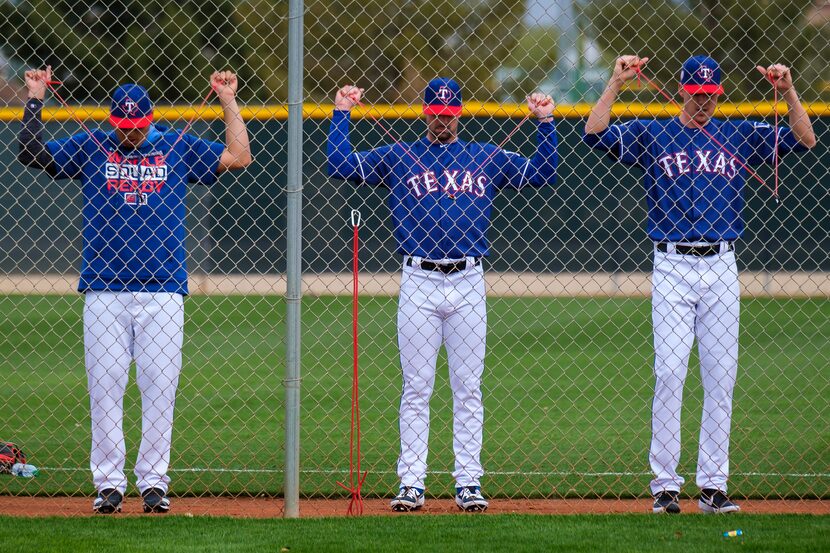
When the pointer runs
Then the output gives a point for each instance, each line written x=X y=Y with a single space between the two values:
x=568 y=376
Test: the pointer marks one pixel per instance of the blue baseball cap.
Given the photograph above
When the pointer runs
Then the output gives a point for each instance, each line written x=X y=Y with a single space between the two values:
x=131 y=107
x=442 y=97
x=701 y=75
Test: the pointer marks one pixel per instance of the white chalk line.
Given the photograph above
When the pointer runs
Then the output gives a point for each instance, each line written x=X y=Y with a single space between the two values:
x=444 y=473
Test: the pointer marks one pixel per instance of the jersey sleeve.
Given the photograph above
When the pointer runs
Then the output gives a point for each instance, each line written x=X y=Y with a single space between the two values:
x=344 y=163
x=623 y=142
x=201 y=159
x=540 y=169
x=761 y=138
x=68 y=155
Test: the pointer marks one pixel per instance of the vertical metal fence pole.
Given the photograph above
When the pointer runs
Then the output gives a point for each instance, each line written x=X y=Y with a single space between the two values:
x=294 y=193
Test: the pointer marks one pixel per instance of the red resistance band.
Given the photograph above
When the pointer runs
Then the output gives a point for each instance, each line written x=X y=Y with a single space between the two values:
x=101 y=146
x=356 y=477
x=418 y=162
x=637 y=69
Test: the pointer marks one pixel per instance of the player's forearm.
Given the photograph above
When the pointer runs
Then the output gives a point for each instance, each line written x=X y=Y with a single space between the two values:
x=800 y=123
x=543 y=165
x=339 y=149
x=600 y=116
x=33 y=151
x=236 y=136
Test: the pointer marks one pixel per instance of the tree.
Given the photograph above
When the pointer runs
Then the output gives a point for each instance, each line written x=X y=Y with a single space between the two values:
x=390 y=47
x=739 y=34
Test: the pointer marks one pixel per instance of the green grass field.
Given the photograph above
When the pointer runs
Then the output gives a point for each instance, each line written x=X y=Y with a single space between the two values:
x=419 y=534
x=567 y=396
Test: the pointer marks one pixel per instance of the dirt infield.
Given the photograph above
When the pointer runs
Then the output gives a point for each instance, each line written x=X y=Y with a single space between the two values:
x=272 y=508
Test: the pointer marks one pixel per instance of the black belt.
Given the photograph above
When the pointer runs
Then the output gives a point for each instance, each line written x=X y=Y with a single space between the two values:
x=446 y=268
x=700 y=251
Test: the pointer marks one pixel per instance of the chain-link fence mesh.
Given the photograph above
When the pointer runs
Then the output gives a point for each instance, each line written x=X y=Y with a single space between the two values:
x=568 y=378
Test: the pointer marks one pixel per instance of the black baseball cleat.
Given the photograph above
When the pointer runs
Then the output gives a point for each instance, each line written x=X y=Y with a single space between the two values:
x=666 y=502
x=715 y=501
x=155 y=501
x=108 y=502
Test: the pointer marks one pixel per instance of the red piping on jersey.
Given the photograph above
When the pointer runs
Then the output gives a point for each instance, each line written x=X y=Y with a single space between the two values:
x=638 y=70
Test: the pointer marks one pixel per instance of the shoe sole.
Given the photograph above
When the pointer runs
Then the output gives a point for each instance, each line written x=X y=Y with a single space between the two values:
x=708 y=509
x=107 y=509
x=667 y=510
x=156 y=508
x=475 y=508
x=404 y=508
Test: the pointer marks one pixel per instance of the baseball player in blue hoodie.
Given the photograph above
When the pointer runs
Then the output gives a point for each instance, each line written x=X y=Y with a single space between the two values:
x=133 y=273
x=441 y=195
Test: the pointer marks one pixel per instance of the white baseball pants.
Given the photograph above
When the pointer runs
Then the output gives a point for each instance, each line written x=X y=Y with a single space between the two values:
x=120 y=327
x=434 y=309
x=694 y=297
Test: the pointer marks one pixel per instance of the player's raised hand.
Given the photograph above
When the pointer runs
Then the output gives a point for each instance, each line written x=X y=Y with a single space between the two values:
x=347 y=97
x=779 y=75
x=36 y=80
x=624 y=68
x=540 y=105
x=225 y=84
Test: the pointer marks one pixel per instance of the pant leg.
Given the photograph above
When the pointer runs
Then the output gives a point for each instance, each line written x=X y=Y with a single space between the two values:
x=673 y=314
x=107 y=353
x=717 y=332
x=419 y=339
x=465 y=332
x=158 y=359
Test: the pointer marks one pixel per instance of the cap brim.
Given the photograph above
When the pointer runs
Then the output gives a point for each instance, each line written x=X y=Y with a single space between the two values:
x=127 y=123
x=441 y=109
x=703 y=88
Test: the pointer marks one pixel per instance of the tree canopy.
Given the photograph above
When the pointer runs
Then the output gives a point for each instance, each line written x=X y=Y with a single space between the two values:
x=390 y=47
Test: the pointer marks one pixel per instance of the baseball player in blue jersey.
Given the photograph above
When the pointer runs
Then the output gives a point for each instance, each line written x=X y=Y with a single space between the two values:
x=694 y=197
x=133 y=270
x=441 y=196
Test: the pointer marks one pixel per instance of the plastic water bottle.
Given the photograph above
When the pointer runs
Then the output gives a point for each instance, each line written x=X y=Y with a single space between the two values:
x=733 y=533
x=26 y=471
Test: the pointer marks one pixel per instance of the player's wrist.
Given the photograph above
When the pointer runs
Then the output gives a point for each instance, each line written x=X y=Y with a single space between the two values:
x=615 y=83
x=545 y=118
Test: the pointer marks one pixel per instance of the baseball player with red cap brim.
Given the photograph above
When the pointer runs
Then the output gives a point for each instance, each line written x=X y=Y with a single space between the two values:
x=441 y=197
x=133 y=273
x=693 y=172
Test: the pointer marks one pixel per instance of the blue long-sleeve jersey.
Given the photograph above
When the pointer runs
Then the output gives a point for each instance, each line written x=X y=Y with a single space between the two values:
x=441 y=194
x=694 y=189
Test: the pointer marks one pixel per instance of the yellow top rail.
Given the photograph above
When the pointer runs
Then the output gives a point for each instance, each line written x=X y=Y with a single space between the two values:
x=402 y=111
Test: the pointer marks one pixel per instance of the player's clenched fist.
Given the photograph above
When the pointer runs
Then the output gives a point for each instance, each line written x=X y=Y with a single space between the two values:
x=625 y=68
x=540 y=105
x=224 y=83
x=347 y=97
x=36 y=80
x=779 y=75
